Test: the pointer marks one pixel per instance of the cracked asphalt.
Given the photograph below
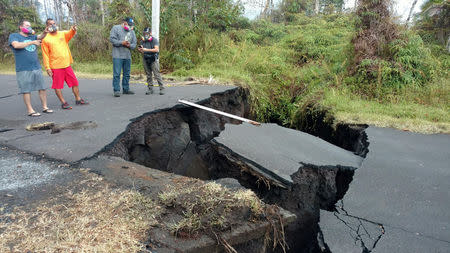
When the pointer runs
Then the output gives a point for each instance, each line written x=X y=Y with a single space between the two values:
x=398 y=200
x=112 y=115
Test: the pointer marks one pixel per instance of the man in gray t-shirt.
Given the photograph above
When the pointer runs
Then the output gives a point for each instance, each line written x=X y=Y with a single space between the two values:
x=123 y=40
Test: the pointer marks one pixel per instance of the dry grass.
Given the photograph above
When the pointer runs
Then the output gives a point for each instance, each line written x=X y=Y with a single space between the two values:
x=105 y=220
x=209 y=206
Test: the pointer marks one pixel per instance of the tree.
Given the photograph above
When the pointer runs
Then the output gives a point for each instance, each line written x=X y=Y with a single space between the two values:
x=11 y=13
x=434 y=22
x=410 y=11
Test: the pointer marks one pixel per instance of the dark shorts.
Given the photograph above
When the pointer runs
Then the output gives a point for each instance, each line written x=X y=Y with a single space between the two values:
x=29 y=81
x=61 y=75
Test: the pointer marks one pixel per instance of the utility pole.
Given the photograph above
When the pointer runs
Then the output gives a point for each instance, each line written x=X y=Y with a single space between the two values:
x=155 y=18
x=102 y=10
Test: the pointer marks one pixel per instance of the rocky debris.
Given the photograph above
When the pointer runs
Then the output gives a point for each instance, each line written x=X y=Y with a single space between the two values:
x=40 y=126
x=19 y=171
x=56 y=128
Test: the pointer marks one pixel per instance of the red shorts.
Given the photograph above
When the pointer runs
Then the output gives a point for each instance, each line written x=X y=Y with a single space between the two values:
x=61 y=75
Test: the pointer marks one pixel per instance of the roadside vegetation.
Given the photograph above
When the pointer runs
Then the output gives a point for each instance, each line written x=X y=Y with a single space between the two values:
x=360 y=67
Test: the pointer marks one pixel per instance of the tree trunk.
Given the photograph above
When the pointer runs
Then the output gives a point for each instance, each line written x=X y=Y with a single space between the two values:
x=448 y=44
x=267 y=8
x=411 y=11
x=102 y=10
x=317 y=6
x=45 y=9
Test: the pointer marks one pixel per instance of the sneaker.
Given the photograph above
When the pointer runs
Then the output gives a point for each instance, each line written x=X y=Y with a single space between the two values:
x=81 y=102
x=66 y=106
x=116 y=94
x=149 y=92
x=128 y=92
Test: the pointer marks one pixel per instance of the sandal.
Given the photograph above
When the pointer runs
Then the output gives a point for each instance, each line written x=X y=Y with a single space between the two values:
x=34 y=114
x=47 y=111
x=66 y=106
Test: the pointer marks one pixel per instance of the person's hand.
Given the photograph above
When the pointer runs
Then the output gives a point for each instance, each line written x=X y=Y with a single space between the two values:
x=141 y=49
x=49 y=72
x=36 y=42
x=74 y=27
x=46 y=30
x=124 y=43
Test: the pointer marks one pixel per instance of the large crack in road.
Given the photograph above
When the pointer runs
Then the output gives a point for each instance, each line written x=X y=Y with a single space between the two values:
x=294 y=170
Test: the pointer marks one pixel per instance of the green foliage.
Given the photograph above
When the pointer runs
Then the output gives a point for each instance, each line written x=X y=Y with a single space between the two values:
x=297 y=6
x=93 y=37
x=433 y=22
x=411 y=64
x=11 y=13
x=118 y=10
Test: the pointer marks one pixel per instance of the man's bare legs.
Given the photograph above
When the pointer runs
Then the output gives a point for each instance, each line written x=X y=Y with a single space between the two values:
x=27 y=100
x=76 y=93
x=43 y=97
x=58 y=93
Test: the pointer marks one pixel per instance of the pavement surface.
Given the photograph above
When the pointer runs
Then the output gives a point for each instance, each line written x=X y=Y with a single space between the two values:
x=399 y=200
x=112 y=115
x=280 y=151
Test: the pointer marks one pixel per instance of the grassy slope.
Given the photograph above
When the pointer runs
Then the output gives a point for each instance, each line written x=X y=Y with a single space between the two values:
x=282 y=65
x=272 y=70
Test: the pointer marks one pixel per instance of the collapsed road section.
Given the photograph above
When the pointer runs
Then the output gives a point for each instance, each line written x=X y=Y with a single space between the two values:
x=292 y=169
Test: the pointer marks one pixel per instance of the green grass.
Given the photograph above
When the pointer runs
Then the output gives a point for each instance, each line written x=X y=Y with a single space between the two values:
x=411 y=113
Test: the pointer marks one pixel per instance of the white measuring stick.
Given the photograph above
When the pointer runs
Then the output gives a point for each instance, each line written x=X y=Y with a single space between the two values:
x=220 y=112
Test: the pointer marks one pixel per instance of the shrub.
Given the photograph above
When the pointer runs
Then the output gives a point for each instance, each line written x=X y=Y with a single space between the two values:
x=411 y=64
x=91 y=43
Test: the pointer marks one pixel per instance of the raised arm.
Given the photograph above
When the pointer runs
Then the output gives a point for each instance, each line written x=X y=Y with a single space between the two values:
x=68 y=35
x=43 y=34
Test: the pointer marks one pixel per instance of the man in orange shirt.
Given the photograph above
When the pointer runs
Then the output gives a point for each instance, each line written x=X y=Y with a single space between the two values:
x=57 y=60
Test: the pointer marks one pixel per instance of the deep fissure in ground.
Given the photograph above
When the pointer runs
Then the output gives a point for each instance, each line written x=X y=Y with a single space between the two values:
x=181 y=140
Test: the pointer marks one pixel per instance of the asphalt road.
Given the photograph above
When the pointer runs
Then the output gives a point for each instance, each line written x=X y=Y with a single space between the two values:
x=402 y=187
x=112 y=115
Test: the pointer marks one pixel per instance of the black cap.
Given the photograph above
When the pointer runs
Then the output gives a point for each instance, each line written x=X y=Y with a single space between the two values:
x=129 y=21
x=147 y=30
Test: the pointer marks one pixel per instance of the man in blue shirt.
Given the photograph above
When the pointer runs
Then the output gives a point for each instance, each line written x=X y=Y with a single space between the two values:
x=28 y=68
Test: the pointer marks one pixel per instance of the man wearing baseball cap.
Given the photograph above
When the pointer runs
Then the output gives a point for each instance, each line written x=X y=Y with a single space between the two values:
x=123 y=40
